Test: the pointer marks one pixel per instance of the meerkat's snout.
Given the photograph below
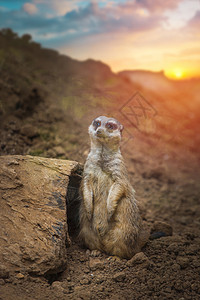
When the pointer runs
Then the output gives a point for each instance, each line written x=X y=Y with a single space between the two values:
x=99 y=132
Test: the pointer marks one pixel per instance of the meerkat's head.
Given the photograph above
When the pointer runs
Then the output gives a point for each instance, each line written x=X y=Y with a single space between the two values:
x=105 y=130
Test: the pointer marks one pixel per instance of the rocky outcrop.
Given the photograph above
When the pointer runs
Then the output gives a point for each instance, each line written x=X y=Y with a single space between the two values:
x=34 y=231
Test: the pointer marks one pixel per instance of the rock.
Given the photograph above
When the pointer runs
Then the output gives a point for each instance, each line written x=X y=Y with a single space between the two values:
x=139 y=258
x=65 y=285
x=164 y=188
x=3 y=271
x=157 y=173
x=19 y=276
x=85 y=281
x=119 y=276
x=175 y=267
x=99 y=279
x=57 y=285
x=51 y=153
x=196 y=262
x=183 y=262
x=2 y=282
x=162 y=227
x=33 y=217
x=157 y=235
x=29 y=131
x=174 y=248
x=59 y=150
x=81 y=293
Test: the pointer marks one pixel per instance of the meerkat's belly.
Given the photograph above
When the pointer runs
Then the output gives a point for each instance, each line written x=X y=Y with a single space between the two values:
x=102 y=183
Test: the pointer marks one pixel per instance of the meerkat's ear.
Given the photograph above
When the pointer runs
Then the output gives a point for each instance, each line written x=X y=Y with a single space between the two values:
x=121 y=127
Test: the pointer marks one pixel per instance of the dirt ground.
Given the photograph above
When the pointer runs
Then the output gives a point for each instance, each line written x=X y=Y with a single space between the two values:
x=163 y=169
x=167 y=268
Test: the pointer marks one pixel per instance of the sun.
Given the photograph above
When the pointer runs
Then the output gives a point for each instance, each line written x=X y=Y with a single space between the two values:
x=175 y=73
x=178 y=74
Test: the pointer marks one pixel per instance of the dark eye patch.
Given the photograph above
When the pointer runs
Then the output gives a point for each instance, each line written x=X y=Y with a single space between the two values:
x=111 y=126
x=96 y=124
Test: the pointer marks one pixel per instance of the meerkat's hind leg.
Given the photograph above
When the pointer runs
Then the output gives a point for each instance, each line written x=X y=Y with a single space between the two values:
x=89 y=238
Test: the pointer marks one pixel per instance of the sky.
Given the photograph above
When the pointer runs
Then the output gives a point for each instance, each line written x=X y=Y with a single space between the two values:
x=150 y=35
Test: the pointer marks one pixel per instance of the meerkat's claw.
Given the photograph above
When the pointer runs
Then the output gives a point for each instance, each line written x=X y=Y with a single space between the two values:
x=114 y=258
x=95 y=253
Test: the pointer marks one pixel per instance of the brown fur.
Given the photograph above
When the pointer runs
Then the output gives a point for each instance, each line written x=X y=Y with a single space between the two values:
x=109 y=215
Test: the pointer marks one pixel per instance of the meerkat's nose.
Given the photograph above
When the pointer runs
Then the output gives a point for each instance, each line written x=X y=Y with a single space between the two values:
x=99 y=132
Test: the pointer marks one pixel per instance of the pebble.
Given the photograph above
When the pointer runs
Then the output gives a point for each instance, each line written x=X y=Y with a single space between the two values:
x=139 y=258
x=119 y=276
x=9 y=280
x=82 y=259
x=65 y=285
x=96 y=263
x=175 y=267
x=174 y=247
x=19 y=276
x=29 y=131
x=3 y=272
x=57 y=285
x=164 y=188
x=162 y=227
x=80 y=293
x=196 y=262
x=99 y=280
x=85 y=281
x=59 y=150
x=86 y=270
x=183 y=262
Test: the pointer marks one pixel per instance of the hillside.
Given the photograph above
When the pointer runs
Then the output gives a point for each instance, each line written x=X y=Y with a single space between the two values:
x=47 y=102
x=57 y=97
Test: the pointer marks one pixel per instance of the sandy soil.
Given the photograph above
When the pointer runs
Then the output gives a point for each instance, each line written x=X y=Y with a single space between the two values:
x=168 y=267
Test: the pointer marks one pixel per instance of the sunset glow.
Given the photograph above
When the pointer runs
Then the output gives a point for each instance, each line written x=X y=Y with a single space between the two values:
x=176 y=74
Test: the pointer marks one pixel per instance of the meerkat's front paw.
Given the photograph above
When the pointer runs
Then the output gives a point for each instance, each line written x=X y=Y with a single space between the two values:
x=114 y=258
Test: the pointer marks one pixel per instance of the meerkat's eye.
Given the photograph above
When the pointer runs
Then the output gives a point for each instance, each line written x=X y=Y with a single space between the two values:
x=111 y=126
x=96 y=124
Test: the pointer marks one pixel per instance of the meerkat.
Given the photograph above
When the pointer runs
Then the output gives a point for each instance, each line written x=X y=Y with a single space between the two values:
x=109 y=215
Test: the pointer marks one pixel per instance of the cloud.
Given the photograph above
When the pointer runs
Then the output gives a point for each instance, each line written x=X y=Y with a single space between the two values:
x=158 y=6
x=88 y=20
x=60 y=7
x=30 y=8
x=195 y=21
x=195 y=51
x=95 y=19
x=153 y=7
x=139 y=18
